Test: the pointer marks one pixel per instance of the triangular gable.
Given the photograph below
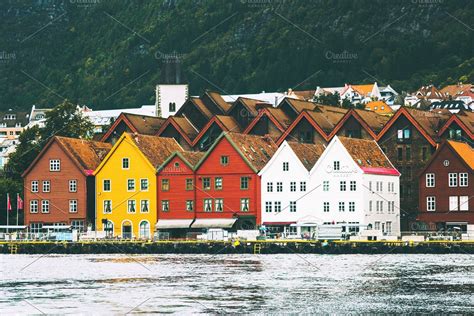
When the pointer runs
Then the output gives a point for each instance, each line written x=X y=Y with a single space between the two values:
x=170 y=158
x=404 y=112
x=326 y=152
x=121 y=119
x=280 y=149
x=264 y=112
x=221 y=137
x=454 y=118
x=358 y=118
x=123 y=138
x=213 y=121
x=301 y=116
x=171 y=122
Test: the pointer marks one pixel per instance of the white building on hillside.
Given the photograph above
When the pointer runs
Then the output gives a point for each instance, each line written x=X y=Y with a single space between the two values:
x=284 y=185
x=356 y=186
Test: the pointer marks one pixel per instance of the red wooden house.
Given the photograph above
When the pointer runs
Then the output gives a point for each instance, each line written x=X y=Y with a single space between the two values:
x=447 y=187
x=176 y=191
x=227 y=184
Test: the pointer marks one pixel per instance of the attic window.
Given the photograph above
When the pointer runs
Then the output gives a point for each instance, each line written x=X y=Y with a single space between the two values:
x=125 y=163
x=176 y=164
x=224 y=160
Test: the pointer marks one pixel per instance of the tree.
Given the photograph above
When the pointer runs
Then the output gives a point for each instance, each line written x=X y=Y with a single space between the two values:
x=328 y=99
x=66 y=120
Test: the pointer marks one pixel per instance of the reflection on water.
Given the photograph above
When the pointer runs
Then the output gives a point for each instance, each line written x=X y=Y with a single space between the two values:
x=303 y=284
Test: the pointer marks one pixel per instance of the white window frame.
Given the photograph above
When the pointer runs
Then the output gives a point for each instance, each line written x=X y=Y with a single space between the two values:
x=353 y=185
x=452 y=180
x=219 y=202
x=464 y=203
x=342 y=186
x=430 y=180
x=293 y=186
x=463 y=179
x=431 y=203
x=72 y=186
x=45 y=206
x=453 y=203
x=34 y=206
x=142 y=202
x=303 y=186
x=144 y=180
x=286 y=166
x=128 y=163
x=165 y=206
x=35 y=186
x=325 y=185
x=46 y=186
x=207 y=204
x=104 y=208
x=243 y=202
x=110 y=185
x=277 y=206
x=336 y=165
x=73 y=206
x=326 y=207
x=279 y=186
x=351 y=206
x=292 y=206
x=54 y=165
x=342 y=206
x=128 y=187
x=269 y=186
x=131 y=203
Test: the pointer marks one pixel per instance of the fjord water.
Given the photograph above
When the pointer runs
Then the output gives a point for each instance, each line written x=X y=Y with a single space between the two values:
x=193 y=284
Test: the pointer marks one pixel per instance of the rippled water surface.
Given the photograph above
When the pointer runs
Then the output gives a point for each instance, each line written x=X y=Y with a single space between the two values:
x=192 y=284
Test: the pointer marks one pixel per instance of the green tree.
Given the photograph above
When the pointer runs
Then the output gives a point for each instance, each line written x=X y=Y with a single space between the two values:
x=328 y=99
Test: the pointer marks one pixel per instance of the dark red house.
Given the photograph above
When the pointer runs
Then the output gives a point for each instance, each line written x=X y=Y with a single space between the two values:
x=447 y=188
x=59 y=185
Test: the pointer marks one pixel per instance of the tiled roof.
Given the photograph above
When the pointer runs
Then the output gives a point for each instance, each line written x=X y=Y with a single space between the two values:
x=186 y=126
x=88 y=154
x=366 y=153
x=375 y=121
x=363 y=89
x=147 y=125
x=429 y=92
x=467 y=118
x=229 y=123
x=370 y=106
x=455 y=89
x=431 y=122
x=156 y=149
x=257 y=150
x=465 y=151
x=300 y=105
x=201 y=106
x=449 y=105
x=304 y=94
x=308 y=154
x=250 y=104
x=20 y=117
x=280 y=116
x=219 y=101
x=192 y=157
x=327 y=116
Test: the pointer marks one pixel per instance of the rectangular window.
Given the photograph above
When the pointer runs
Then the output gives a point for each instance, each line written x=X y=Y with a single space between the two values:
x=54 y=165
x=165 y=205
x=353 y=186
x=268 y=207
x=351 y=206
x=325 y=185
x=144 y=206
x=393 y=207
x=326 y=207
x=370 y=186
x=388 y=227
x=286 y=166
x=406 y=133
x=218 y=183
x=377 y=207
x=206 y=183
x=189 y=205
x=277 y=207
x=46 y=186
x=244 y=183
x=464 y=203
x=430 y=180
x=224 y=160
x=106 y=185
x=131 y=184
x=303 y=186
x=219 y=205
x=45 y=206
x=107 y=206
x=463 y=179
x=279 y=186
x=78 y=225
x=453 y=203
x=189 y=184
x=408 y=153
x=244 y=205
x=72 y=185
x=72 y=206
x=131 y=206
x=165 y=184
x=269 y=186
x=381 y=207
x=342 y=185
x=143 y=184
x=370 y=206
x=207 y=205
x=337 y=165
x=342 y=206
x=34 y=206
x=292 y=186
x=377 y=225
x=431 y=203
x=399 y=153
x=453 y=179
x=125 y=163
x=34 y=186
x=292 y=206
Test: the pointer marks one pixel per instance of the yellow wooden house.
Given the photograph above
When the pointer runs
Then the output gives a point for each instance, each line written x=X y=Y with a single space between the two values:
x=126 y=189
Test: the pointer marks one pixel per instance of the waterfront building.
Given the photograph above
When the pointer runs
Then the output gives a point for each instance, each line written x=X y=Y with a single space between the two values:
x=446 y=187
x=126 y=189
x=213 y=129
x=59 y=184
x=459 y=127
x=357 y=123
x=285 y=188
x=355 y=185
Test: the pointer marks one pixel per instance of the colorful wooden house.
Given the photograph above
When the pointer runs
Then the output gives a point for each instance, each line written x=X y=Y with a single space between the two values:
x=59 y=184
x=126 y=186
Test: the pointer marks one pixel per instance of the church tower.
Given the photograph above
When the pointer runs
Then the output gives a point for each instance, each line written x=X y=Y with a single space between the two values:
x=171 y=92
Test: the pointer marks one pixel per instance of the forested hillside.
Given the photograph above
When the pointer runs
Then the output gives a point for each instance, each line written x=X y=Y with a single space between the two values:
x=109 y=53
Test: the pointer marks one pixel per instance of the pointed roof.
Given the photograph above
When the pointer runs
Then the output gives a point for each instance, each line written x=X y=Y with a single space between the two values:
x=368 y=156
x=141 y=124
x=327 y=116
x=156 y=149
x=298 y=105
x=308 y=154
x=218 y=101
x=429 y=92
x=375 y=121
x=251 y=105
x=277 y=116
x=255 y=150
x=190 y=158
x=225 y=122
x=464 y=151
x=456 y=89
x=184 y=127
x=86 y=154
x=363 y=89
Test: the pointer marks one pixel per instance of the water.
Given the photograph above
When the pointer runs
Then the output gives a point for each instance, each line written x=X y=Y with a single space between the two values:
x=256 y=284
